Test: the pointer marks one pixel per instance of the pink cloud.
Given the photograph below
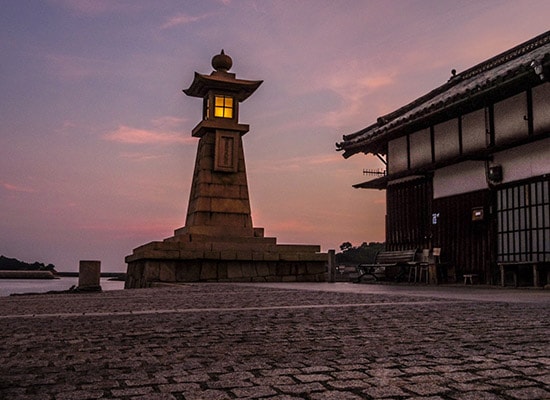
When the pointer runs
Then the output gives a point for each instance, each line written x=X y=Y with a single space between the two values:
x=168 y=122
x=14 y=188
x=181 y=19
x=127 y=134
x=136 y=156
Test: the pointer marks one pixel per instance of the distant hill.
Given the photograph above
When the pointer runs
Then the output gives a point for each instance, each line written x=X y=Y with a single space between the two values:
x=12 y=264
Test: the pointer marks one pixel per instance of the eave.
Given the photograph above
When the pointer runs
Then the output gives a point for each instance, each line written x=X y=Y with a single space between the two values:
x=224 y=82
x=385 y=181
x=487 y=82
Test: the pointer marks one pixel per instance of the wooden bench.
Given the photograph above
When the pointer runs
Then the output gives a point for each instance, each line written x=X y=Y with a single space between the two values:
x=514 y=266
x=387 y=259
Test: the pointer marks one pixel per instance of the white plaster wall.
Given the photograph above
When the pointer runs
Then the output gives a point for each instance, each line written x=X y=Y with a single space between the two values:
x=524 y=162
x=541 y=109
x=397 y=155
x=519 y=163
x=474 y=136
x=420 y=148
x=510 y=122
x=446 y=140
x=465 y=177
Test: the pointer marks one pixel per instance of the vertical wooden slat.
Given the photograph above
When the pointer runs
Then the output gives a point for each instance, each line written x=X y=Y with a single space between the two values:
x=464 y=242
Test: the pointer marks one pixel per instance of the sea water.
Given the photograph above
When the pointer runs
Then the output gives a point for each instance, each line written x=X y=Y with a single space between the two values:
x=9 y=286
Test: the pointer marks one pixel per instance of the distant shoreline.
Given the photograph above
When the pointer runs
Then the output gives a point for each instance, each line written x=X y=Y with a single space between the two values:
x=30 y=274
x=14 y=274
x=103 y=274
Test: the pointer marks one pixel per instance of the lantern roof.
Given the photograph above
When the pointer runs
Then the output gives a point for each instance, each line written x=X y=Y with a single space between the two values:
x=222 y=81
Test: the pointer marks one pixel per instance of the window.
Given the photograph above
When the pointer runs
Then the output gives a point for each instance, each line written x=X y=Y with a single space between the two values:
x=524 y=222
x=223 y=106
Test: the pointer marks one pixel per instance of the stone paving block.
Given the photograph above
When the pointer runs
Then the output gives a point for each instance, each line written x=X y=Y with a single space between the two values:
x=31 y=397
x=301 y=388
x=427 y=378
x=155 y=396
x=317 y=368
x=285 y=397
x=346 y=384
x=312 y=378
x=475 y=395
x=280 y=371
x=462 y=376
x=416 y=370
x=497 y=373
x=207 y=394
x=528 y=393
x=273 y=380
x=228 y=384
x=385 y=373
x=513 y=382
x=79 y=395
x=136 y=391
x=179 y=387
x=344 y=375
x=426 y=389
x=208 y=341
x=383 y=391
x=254 y=392
x=334 y=395
x=201 y=377
x=545 y=379
x=471 y=386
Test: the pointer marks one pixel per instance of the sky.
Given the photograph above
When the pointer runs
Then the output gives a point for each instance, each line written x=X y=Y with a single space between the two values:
x=96 y=153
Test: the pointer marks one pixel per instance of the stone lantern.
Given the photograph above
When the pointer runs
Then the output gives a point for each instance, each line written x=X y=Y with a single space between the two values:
x=218 y=242
x=219 y=201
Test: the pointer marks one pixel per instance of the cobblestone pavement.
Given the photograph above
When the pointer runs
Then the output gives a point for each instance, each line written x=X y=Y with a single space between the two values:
x=277 y=341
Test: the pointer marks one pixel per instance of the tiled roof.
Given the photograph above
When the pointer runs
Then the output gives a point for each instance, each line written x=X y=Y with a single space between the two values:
x=467 y=84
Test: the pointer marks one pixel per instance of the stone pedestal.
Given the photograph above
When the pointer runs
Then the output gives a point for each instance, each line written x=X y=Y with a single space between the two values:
x=89 y=274
x=200 y=258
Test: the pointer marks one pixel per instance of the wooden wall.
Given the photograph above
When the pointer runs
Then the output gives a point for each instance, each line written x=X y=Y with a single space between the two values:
x=408 y=211
x=465 y=244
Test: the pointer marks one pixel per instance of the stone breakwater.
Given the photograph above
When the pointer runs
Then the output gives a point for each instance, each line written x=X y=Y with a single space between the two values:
x=277 y=341
x=26 y=275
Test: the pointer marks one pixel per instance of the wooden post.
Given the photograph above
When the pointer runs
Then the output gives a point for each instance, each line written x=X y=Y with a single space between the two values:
x=536 y=279
x=331 y=265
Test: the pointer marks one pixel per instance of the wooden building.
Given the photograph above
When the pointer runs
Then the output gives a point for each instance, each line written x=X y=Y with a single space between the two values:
x=468 y=165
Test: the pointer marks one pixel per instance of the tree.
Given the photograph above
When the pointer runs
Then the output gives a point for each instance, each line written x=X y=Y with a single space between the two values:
x=363 y=254
x=346 y=246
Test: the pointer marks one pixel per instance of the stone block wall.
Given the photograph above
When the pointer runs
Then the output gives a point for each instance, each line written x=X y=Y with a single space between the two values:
x=143 y=273
x=188 y=257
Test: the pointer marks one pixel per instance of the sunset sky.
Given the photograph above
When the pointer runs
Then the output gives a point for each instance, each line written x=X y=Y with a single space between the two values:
x=96 y=154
